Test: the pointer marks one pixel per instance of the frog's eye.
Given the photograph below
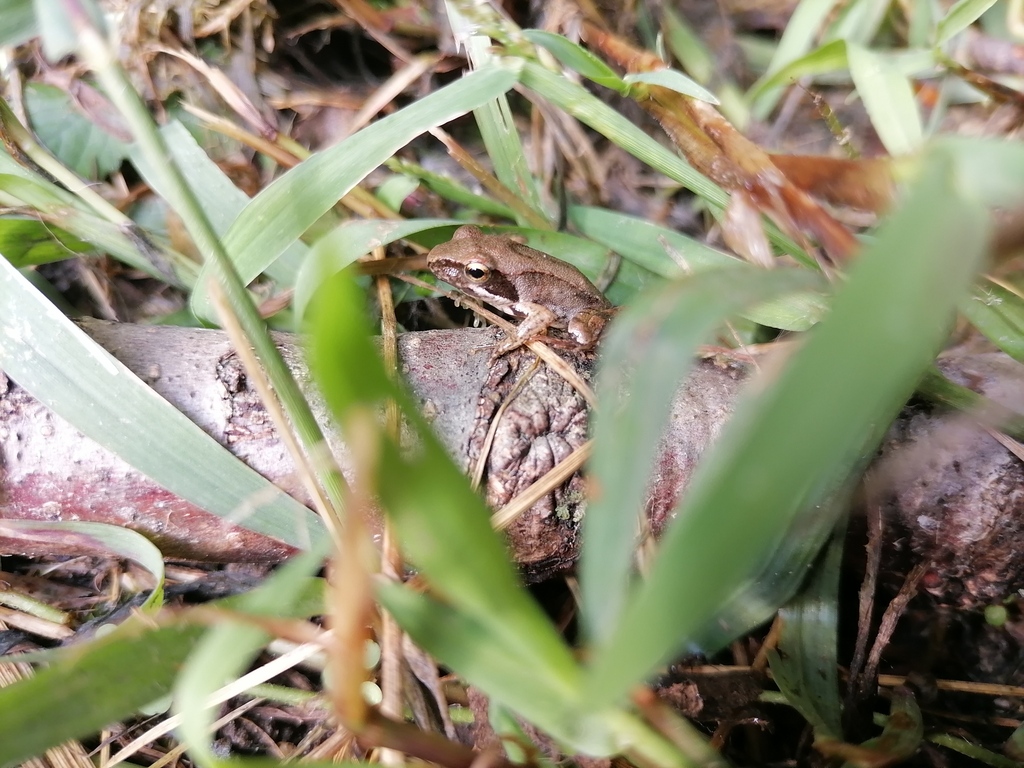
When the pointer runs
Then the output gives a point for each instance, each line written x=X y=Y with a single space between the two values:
x=477 y=272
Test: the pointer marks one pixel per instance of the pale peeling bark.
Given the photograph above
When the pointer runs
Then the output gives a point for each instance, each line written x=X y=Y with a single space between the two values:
x=963 y=494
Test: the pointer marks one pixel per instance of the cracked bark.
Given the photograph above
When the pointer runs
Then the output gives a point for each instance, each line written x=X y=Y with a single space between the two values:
x=954 y=496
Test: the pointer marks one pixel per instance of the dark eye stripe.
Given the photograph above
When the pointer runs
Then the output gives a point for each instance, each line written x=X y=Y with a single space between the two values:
x=499 y=285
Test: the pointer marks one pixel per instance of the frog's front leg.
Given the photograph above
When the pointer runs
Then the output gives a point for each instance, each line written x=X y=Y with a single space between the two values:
x=587 y=326
x=536 y=320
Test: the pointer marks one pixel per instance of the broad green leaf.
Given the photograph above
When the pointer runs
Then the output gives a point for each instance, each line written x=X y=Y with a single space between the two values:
x=998 y=313
x=284 y=210
x=805 y=664
x=656 y=248
x=793 y=441
x=888 y=98
x=426 y=497
x=95 y=537
x=959 y=17
x=77 y=142
x=17 y=22
x=647 y=353
x=576 y=58
x=26 y=242
x=58 y=364
x=675 y=80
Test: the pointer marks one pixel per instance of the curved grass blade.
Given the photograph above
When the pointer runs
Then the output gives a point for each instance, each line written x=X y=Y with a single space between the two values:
x=590 y=110
x=960 y=17
x=801 y=30
x=96 y=537
x=888 y=98
x=805 y=666
x=674 y=80
x=284 y=210
x=998 y=312
x=576 y=58
x=504 y=147
x=794 y=442
x=26 y=242
x=219 y=197
x=647 y=353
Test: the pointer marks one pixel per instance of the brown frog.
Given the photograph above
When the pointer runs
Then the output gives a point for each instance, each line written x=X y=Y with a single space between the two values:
x=523 y=282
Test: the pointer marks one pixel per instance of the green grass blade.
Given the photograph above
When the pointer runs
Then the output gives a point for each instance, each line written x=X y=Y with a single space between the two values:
x=791 y=444
x=960 y=17
x=801 y=30
x=998 y=313
x=117 y=675
x=674 y=80
x=228 y=649
x=888 y=98
x=219 y=197
x=77 y=142
x=504 y=148
x=284 y=210
x=500 y=668
x=451 y=190
x=647 y=353
x=344 y=244
x=17 y=22
x=53 y=360
x=990 y=169
x=577 y=58
x=95 y=537
x=655 y=249
x=830 y=57
x=587 y=108
x=805 y=666
x=27 y=242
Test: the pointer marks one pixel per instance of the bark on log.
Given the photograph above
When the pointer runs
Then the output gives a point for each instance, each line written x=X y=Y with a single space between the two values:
x=961 y=505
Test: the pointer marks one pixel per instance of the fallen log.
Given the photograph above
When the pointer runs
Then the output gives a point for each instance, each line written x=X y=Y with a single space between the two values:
x=953 y=495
